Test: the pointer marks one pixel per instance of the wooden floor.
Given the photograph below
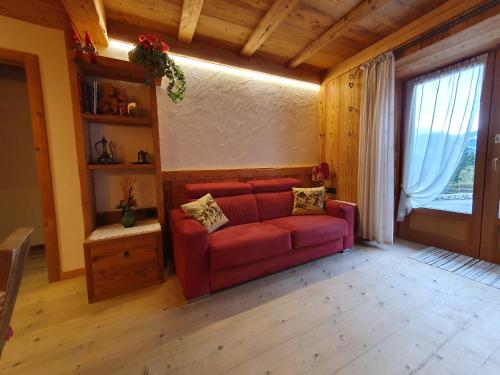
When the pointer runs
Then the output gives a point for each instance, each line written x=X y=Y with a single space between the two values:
x=367 y=311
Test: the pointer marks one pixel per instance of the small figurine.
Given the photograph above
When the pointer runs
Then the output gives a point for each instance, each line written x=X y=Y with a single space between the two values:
x=122 y=95
x=77 y=44
x=143 y=157
x=132 y=109
x=89 y=47
x=105 y=155
x=108 y=103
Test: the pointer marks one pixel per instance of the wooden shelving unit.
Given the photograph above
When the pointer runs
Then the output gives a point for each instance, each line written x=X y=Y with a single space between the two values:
x=130 y=166
x=117 y=120
x=117 y=259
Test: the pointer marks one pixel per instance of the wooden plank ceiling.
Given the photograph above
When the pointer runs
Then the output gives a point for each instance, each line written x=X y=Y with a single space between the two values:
x=230 y=24
x=309 y=36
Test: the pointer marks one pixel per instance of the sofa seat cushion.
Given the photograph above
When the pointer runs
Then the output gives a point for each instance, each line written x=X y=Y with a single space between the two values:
x=246 y=243
x=310 y=230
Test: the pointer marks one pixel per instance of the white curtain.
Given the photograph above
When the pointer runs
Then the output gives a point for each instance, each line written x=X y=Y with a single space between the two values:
x=440 y=110
x=376 y=150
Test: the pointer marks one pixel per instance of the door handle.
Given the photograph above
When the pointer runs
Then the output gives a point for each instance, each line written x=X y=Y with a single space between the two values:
x=494 y=164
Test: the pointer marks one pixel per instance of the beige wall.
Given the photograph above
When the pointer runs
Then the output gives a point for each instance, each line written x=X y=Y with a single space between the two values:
x=49 y=45
x=19 y=188
x=232 y=118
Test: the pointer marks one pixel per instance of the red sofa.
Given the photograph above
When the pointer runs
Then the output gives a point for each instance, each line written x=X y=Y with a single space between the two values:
x=261 y=237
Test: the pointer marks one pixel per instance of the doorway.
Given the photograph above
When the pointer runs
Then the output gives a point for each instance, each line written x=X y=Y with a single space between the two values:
x=463 y=214
x=20 y=191
x=25 y=146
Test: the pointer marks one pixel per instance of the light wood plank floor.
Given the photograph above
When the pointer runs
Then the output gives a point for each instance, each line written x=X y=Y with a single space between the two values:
x=367 y=311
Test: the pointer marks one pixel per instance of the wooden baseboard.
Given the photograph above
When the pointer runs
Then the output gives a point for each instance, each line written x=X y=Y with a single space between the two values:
x=72 y=274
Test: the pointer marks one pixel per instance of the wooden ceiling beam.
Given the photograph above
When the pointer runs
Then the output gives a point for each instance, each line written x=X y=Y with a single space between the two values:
x=88 y=16
x=477 y=34
x=191 y=10
x=340 y=27
x=209 y=52
x=274 y=16
x=429 y=21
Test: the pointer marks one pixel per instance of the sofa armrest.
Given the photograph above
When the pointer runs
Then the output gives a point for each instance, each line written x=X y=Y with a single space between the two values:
x=190 y=240
x=346 y=211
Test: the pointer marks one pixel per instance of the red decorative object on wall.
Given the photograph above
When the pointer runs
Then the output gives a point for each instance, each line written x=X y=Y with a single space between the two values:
x=321 y=172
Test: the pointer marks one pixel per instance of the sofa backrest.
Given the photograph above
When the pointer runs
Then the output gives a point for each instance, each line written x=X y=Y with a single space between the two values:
x=274 y=197
x=217 y=189
x=234 y=198
x=248 y=202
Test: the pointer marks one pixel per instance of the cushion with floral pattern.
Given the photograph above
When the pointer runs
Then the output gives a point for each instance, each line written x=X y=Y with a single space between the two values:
x=206 y=211
x=308 y=201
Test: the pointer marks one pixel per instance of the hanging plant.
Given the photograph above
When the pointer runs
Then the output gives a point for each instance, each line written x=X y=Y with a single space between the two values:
x=151 y=52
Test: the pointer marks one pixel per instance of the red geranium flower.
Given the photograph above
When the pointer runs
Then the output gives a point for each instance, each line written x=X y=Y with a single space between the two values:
x=141 y=38
x=164 y=47
x=152 y=38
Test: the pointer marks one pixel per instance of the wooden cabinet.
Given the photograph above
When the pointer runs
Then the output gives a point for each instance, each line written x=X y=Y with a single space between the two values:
x=130 y=261
x=117 y=259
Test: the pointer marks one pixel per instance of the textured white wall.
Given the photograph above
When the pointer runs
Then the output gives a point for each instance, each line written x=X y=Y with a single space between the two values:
x=229 y=120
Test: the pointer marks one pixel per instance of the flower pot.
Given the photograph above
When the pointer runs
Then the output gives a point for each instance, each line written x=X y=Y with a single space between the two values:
x=158 y=81
x=128 y=218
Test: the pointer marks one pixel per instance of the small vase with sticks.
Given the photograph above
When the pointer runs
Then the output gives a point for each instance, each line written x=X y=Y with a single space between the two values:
x=128 y=219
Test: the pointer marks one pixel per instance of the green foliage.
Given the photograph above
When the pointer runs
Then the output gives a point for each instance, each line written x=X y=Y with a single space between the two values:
x=159 y=64
x=465 y=166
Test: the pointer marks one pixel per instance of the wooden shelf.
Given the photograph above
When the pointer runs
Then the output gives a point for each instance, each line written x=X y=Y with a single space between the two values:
x=117 y=120
x=112 y=231
x=120 y=166
x=106 y=67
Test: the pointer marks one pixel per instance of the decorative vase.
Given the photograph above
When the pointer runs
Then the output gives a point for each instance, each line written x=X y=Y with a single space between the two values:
x=128 y=218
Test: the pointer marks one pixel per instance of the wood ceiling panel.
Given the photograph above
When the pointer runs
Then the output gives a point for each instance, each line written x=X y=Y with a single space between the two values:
x=49 y=13
x=227 y=24
x=230 y=22
x=144 y=25
x=141 y=13
x=301 y=28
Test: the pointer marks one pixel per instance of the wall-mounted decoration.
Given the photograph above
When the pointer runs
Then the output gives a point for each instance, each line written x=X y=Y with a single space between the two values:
x=151 y=52
x=321 y=172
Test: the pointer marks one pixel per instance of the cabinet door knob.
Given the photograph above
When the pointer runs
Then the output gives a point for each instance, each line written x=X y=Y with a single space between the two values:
x=126 y=254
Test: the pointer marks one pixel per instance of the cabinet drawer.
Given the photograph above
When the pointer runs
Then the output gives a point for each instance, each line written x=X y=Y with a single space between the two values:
x=121 y=265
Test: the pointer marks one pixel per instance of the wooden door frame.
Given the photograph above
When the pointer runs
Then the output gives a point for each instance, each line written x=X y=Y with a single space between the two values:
x=29 y=62
x=491 y=221
x=471 y=246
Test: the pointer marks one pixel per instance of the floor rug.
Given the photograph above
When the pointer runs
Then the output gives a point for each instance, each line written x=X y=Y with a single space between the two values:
x=475 y=269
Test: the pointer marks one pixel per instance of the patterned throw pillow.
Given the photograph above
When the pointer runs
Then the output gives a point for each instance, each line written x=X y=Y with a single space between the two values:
x=206 y=211
x=308 y=201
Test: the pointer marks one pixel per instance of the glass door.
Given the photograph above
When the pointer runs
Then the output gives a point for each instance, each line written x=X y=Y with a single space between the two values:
x=445 y=136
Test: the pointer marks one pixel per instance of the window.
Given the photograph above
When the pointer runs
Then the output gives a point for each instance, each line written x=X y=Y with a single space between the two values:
x=441 y=126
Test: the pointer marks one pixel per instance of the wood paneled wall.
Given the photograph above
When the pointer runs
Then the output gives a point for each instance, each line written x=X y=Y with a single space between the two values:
x=174 y=181
x=339 y=132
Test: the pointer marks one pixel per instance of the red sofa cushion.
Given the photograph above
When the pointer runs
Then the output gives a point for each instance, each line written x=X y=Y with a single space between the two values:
x=241 y=209
x=274 y=205
x=309 y=230
x=217 y=189
x=246 y=243
x=274 y=185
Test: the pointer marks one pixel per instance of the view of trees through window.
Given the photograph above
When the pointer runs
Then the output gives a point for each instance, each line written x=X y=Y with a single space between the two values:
x=458 y=194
